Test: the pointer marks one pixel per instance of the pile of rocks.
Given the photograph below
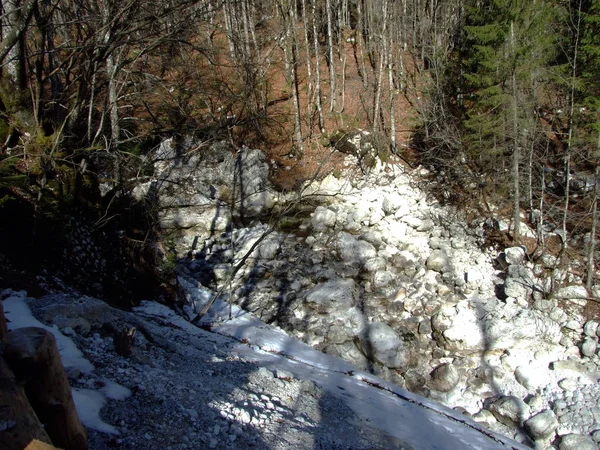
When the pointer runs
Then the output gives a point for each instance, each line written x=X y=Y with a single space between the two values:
x=388 y=279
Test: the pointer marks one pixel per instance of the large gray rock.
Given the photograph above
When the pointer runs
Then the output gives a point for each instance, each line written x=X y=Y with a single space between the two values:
x=589 y=346
x=332 y=295
x=192 y=186
x=542 y=426
x=514 y=255
x=345 y=325
x=478 y=325
x=354 y=251
x=438 y=261
x=510 y=410
x=444 y=378
x=392 y=203
x=349 y=352
x=519 y=282
x=382 y=344
x=532 y=376
x=323 y=218
x=590 y=328
x=572 y=292
x=577 y=442
x=79 y=313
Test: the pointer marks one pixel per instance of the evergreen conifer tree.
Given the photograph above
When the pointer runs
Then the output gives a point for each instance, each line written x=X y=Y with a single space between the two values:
x=505 y=48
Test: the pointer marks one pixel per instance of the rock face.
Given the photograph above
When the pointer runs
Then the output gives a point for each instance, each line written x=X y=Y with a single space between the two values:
x=395 y=283
x=195 y=189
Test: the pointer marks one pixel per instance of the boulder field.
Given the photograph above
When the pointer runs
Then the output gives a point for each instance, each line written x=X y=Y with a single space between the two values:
x=367 y=266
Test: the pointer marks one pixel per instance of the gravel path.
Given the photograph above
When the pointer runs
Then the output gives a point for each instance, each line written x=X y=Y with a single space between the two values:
x=185 y=388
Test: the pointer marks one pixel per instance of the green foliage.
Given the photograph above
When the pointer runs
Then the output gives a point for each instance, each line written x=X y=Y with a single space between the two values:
x=5 y=199
x=506 y=47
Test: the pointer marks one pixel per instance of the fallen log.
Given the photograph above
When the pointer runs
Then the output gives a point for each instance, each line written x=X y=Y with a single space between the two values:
x=33 y=356
x=19 y=426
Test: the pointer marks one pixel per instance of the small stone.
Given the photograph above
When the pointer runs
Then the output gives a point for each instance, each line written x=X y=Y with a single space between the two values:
x=283 y=375
x=572 y=292
x=381 y=343
x=244 y=416
x=536 y=403
x=531 y=376
x=484 y=416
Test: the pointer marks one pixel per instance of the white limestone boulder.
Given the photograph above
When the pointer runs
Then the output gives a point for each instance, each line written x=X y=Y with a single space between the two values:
x=332 y=295
x=382 y=344
x=542 y=426
x=510 y=410
x=354 y=251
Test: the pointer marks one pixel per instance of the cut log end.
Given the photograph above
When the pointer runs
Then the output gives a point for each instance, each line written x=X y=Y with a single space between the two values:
x=3 y=326
x=33 y=356
x=21 y=426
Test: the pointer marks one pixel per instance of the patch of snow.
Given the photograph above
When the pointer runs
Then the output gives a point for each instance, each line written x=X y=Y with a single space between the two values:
x=114 y=390
x=88 y=404
x=19 y=315
x=419 y=422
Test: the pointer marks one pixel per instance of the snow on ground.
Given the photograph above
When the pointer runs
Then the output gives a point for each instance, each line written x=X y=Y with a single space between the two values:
x=88 y=402
x=19 y=316
x=385 y=409
x=418 y=421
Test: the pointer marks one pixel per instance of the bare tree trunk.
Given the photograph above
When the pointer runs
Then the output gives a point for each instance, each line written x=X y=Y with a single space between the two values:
x=317 y=69
x=113 y=106
x=16 y=410
x=377 y=99
x=3 y=327
x=14 y=23
x=308 y=56
x=295 y=83
x=516 y=154
x=332 y=83
x=291 y=64
x=91 y=105
x=387 y=44
x=379 y=84
x=567 y=161
x=358 y=45
x=229 y=27
x=343 y=93
x=590 y=257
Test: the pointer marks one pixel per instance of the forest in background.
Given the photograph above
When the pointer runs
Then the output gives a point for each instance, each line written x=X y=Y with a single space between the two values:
x=501 y=98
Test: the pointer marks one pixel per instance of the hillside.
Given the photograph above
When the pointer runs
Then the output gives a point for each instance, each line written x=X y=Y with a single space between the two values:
x=409 y=186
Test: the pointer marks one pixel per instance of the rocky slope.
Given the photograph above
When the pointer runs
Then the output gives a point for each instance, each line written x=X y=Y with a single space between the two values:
x=367 y=267
x=183 y=387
